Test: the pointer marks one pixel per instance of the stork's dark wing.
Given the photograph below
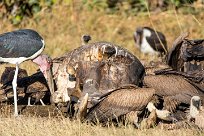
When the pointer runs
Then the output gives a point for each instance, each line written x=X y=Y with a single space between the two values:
x=119 y=103
x=21 y=43
x=174 y=87
x=155 y=39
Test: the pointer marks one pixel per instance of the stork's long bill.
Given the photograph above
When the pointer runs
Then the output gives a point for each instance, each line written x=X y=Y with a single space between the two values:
x=45 y=65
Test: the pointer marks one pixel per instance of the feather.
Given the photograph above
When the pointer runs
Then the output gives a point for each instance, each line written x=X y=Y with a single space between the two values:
x=173 y=59
x=175 y=89
x=119 y=103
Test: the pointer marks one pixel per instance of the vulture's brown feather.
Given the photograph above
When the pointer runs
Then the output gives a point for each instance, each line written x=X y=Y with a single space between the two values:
x=7 y=75
x=119 y=103
x=34 y=85
x=192 y=50
x=175 y=89
x=195 y=78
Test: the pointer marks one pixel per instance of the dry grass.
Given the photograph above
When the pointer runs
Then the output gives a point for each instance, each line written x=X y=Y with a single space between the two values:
x=62 y=29
x=60 y=127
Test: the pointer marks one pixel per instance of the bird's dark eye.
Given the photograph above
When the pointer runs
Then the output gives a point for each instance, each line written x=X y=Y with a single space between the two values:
x=49 y=61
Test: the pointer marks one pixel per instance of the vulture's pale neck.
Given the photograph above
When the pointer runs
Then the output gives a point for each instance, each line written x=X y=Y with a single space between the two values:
x=195 y=106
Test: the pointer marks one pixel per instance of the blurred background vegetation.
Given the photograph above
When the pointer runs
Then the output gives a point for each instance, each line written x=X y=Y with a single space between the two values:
x=17 y=10
x=62 y=22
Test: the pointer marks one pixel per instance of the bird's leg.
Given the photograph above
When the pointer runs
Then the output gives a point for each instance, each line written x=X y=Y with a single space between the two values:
x=132 y=117
x=116 y=51
x=14 y=84
x=136 y=121
x=29 y=101
x=41 y=101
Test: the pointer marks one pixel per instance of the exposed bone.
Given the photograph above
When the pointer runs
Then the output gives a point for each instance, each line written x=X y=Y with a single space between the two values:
x=82 y=111
x=103 y=49
x=71 y=84
x=89 y=80
x=59 y=97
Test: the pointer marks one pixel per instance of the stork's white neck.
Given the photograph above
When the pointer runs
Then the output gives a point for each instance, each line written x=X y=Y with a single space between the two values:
x=146 y=33
x=145 y=47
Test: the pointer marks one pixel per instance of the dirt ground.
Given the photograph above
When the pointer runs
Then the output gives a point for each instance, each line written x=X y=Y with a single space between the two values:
x=32 y=111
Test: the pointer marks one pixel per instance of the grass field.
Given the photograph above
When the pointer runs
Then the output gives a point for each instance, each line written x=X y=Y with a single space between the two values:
x=60 y=127
x=62 y=29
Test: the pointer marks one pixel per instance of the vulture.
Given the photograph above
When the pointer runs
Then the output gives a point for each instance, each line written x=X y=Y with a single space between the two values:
x=196 y=111
x=85 y=39
x=150 y=41
x=153 y=66
x=7 y=75
x=186 y=55
x=175 y=88
x=127 y=103
x=33 y=88
x=6 y=78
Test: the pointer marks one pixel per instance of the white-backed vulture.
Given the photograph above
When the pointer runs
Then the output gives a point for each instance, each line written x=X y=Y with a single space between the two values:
x=197 y=112
x=186 y=55
x=123 y=102
x=196 y=78
x=8 y=74
x=153 y=66
x=174 y=89
x=34 y=86
x=85 y=39
x=6 y=78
